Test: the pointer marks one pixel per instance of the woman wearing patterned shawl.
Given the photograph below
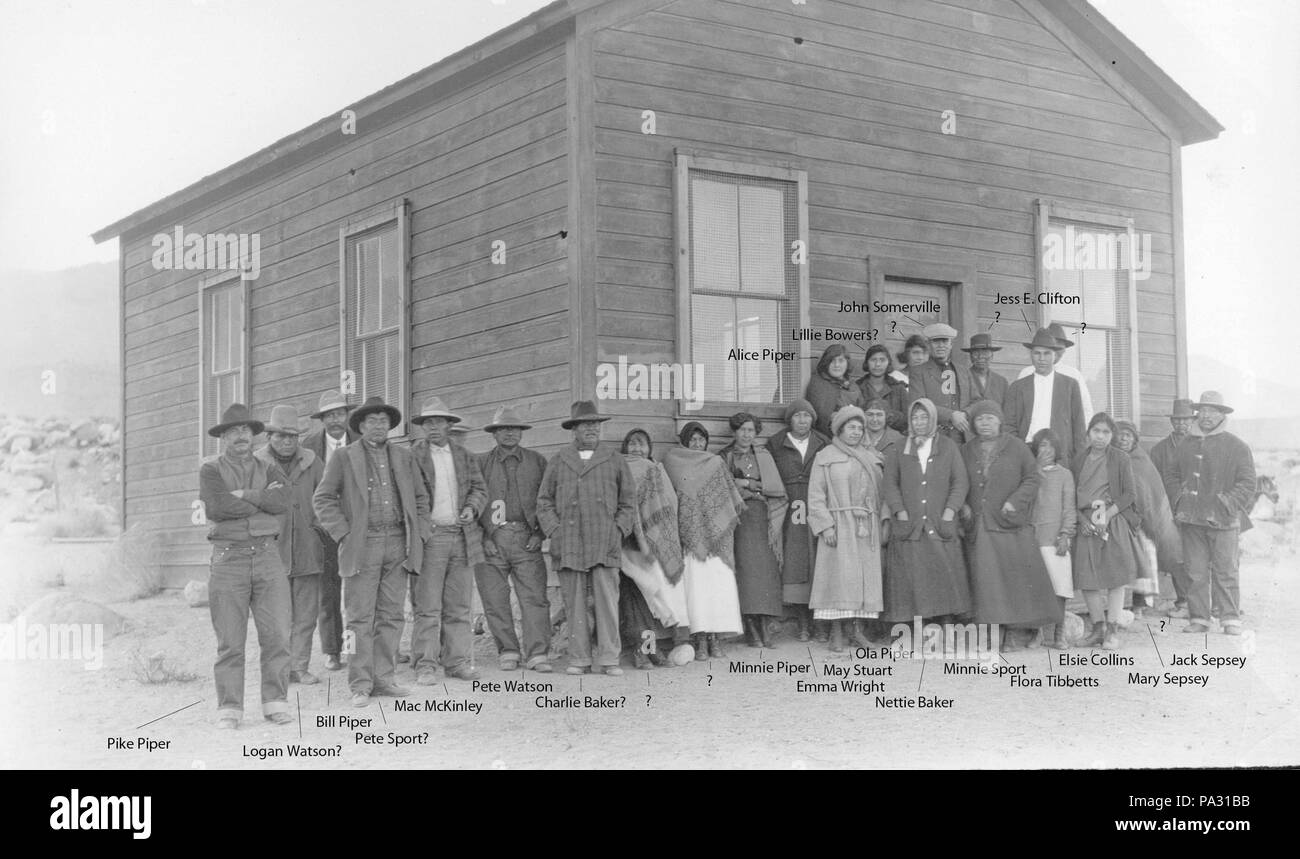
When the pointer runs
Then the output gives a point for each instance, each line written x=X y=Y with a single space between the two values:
x=708 y=510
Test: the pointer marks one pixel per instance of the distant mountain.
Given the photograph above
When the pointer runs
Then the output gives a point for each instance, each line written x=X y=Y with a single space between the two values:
x=1251 y=394
x=59 y=342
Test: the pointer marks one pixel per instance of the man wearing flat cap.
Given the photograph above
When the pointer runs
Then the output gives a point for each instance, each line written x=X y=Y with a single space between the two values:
x=512 y=544
x=442 y=594
x=300 y=546
x=1211 y=486
x=1047 y=399
x=332 y=436
x=585 y=506
x=1065 y=368
x=988 y=384
x=1162 y=457
x=373 y=502
x=945 y=383
x=243 y=497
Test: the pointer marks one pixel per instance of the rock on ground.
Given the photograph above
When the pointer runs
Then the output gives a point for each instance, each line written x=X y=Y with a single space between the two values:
x=67 y=608
x=196 y=594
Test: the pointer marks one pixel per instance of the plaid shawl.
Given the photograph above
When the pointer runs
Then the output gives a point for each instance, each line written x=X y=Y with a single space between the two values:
x=708 y=503
x=655 y=521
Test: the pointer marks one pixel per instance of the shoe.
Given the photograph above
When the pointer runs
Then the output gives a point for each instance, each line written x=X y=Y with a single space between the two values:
x=1096 y=637
x=641 y=661
x=426 y=676
x=858 y=637
x=701 y=643
x=751 y=631
x=658 y=659
x=821 y=631
x=360 y=699
x=332 y=663
x=1197 y=626
x=1231 y=627
x=613 y=671
x=463 y=672
x=576 y=670
x=403 y=658
x=715 y=647
x=392 y=691
x=1011 y=641
x=543 y=668
x=227 y=724
x=1111 y=641
x=837 y=636
x=306 y=678
x=1058 y=640
x=805 y=627
x=1178 y=612
x=281 y=718
x=509 y=663
x=764 y=632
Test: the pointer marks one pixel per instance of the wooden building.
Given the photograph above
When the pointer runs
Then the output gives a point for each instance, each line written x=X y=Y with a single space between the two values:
x=665 y=181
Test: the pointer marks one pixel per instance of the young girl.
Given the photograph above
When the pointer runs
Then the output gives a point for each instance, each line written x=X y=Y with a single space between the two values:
x=1054 y=524
x=1105 y=559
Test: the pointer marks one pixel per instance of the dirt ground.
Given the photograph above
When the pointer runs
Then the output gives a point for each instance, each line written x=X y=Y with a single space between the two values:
x=58 y=714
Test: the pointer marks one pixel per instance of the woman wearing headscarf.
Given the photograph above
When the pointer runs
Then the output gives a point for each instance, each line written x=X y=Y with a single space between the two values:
x=1161 y=545
x=793 y=449
x=708 y=511
x=829 y=388
x=925 y=486
x=652 y=601
x=844 y=512
x=877 y=384
x=759 y=534
x=1009 y=583
x=1106 y=550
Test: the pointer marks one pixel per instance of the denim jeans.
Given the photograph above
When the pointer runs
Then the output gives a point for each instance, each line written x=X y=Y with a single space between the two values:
x=528 y=571
x=441 y=596
x=244 y=580
x=1210 y=559
x=373 y=599
x=306 y=606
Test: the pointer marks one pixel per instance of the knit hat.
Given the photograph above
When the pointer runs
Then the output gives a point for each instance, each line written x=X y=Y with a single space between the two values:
x=799 y=406
x=844 y=415
x=986 y=407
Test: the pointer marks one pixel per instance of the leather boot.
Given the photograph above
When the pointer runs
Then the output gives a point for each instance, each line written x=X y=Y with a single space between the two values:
x=837 y=636
x=1096 y=637
x=752 y=637
x=764 y=631
x=1111 y=641
x=821 y=631
x=715 y=647
x=858 y=637
x=701 y=643
x=805 y=625
x=1054 y=636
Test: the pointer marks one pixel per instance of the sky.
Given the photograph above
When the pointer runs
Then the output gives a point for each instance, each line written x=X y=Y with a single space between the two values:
x=113 y=105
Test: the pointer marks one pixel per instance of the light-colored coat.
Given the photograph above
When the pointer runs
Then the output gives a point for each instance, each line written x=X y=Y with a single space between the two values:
x=848 y=575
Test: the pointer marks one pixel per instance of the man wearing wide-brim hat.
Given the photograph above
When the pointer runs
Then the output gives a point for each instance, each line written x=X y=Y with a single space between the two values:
x=945 y=383
x=512 y=544
x=1046 y=400
x=585 y=506
x=373 y=502
x=442 y=594
x=332 y=436
x=1162 y=457
x=1211 y=486
x=243 y=497
x=989 y=385
x=300 y=545
x=1065 y=368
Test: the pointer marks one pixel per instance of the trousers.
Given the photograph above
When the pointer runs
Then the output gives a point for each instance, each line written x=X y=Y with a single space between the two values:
x=602 y=583
x=442 y=597
x=528 y=572
x=305 y=591
x=245 y=580
x=373 y=601
x=331 y=599
x=1210 y=562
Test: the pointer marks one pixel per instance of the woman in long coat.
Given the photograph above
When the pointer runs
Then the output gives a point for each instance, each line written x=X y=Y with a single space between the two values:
x=758 y=536
x=793 y=450
x=844 y=512
x=1106 y=549
x=877 y=384
x=1009 y=583
x=925 y=486
x=1161 y=544
x=829 y=388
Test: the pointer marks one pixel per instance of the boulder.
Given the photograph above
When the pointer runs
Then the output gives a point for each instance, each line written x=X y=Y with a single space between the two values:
x=196 y=594
x=1075 y=628
x=67 y=608
x=1125 y=618
x=85 y=432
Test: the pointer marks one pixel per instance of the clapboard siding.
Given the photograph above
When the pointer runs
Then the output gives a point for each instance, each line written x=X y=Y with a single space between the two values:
x=486 y=162
x=858 y=104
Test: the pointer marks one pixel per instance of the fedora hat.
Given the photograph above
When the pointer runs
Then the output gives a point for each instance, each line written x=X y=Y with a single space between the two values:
x=582 y=410
x=329 y=401
x=981 y=341
x=236 y=414
x=434 y=407
x=372 y=405
x=940 y=330
x=506 y=417
x=284 y=419
x=1043 y=339
x=1183 y=409
x=1215 y=400
x=1059 y=333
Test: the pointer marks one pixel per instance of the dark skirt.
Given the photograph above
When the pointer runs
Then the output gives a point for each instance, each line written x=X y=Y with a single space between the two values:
x=796 y=571
x=926 y=578
x=1009 y=582
x=1104 y=564
x=758 y=574
x=634 y=616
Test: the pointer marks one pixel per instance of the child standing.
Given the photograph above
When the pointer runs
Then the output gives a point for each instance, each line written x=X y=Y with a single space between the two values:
x=1054 y=524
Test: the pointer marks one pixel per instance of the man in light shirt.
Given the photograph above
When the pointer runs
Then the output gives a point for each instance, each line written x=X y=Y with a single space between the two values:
x=1046 y=399
x=1065 y=369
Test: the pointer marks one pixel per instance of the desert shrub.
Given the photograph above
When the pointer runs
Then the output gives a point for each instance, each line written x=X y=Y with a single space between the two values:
x=78 y=520
x=132 y=568
x=157 y=668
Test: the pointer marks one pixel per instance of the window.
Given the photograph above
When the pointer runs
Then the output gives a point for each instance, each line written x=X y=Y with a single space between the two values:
x=1086 y=259
x=740 y=286
x=374 y=310
x=223 y=338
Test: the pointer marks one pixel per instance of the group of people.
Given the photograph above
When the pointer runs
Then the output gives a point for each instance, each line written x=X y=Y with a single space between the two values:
x=939 y=491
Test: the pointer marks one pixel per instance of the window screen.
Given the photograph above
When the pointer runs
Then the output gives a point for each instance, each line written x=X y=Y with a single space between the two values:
x=223 y=356
x=373 y=314
x=744 y=284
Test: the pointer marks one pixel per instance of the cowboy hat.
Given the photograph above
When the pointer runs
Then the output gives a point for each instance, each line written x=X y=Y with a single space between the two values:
x=1183 y=409
x=580 y=412
x=435 y=408
x=505 y=417
x=981 y=341
x=372 y=405
x=329 y=401
x=1058 y=332
x=1043 y=339
x=236 y=415
x=1215 y=400
x=284 y=419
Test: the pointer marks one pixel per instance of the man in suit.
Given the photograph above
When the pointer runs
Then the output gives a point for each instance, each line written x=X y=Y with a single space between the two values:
x=443 y=592
x=1046 y=399
x=988 y=385
x=586 y=506
x=945 y=383
x=1065 y=369
x=332 y=436
x=373 y=502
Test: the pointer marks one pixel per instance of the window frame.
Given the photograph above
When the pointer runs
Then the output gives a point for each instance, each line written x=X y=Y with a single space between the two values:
x=1094 y=216
x=396 y=214
x=208 y=285
x=686 y=161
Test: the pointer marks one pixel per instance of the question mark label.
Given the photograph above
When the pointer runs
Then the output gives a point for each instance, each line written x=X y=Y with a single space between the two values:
x=647 y=700
x=893 y=326
x=1083 y=328
x=710 y=683
x=1163 y=621
x=997 y=316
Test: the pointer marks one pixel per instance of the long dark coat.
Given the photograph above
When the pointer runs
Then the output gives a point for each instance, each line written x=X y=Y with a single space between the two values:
x=799 y=541
x=586 y=507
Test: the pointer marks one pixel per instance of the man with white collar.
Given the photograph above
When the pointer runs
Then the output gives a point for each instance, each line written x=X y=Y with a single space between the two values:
x=1065 y=368
x=1047 y=399
x=1211 y=485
